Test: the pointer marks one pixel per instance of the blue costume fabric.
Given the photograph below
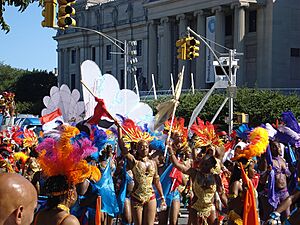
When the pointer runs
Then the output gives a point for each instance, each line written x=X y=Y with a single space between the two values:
x=167 y=182
x=107 y=192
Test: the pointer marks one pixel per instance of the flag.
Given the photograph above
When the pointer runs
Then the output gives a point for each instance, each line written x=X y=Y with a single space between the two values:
x=165 y=109
x=51 y=116
x=166 y=181
x=250 y=216
x=98 y=211
x=99 y=111
x=107 y=192
x=176 y=176
x=52 y=120
x=272 y=199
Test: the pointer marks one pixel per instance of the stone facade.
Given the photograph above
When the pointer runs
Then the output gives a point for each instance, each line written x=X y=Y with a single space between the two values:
x=266 y=31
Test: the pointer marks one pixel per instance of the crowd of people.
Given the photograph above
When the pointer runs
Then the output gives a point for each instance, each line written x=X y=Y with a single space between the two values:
x=80 y=173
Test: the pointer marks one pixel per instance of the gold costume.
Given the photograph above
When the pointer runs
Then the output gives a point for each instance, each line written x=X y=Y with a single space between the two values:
x=235 y=218
x=143 y=191
x=203 y=205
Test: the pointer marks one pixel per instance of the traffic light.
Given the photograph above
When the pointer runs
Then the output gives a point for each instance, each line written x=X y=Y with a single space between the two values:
x=192 y=49
x=132 y=59
x=181 y=45
x=65 y=11
x=49 y=13
x=240 y=118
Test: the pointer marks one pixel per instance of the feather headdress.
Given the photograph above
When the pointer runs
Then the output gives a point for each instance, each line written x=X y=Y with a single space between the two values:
x=65 y=156
x=259 y=140
x=30 y=138
x=134 y=132
x=205 y=134
x=177 y=127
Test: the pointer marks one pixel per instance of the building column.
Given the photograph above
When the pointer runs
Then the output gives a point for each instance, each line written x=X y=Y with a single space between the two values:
x=78 y=76
x=60 y=64
x=268 y=44
x=66 y=65
x=152 y=53
x=182 y=18
x=238 y=38
x=199 y=77
x=220 y=28
x=166 y=58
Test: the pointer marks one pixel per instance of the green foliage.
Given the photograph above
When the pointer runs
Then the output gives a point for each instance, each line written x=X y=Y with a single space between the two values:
x=8 y=76
x=21 y=4
x=29 y=87
x=262 y=105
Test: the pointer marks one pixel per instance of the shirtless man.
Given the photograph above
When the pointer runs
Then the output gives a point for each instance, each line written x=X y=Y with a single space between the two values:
x=18 y=200
x=281 y=173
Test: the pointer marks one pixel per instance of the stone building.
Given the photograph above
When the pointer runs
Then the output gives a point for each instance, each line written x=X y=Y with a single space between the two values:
x=266 y=31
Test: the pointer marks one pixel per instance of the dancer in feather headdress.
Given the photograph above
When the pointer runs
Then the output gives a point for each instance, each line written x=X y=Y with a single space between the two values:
x=144 y=172
x=62 y=162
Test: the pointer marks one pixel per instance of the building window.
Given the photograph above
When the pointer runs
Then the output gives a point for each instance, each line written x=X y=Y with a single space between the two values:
x=93 y=53
x=72 y=85
x=123 y=47
x=139 y=48
x=295 y=52
x=295 y=63
x=108 y=52
x=228 y=25
x=252 y=21
x=73 y=56
x=139 y=72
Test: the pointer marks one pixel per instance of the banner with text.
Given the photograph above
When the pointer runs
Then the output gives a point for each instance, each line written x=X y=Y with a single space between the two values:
x=210 y=34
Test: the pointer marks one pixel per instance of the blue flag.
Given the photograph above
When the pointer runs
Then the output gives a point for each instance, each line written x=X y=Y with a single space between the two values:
x=107 y=192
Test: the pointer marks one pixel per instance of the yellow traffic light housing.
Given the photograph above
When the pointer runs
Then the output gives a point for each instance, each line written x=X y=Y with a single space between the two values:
x=240 y=118
x=181 y=45
x=192 y=49
x=49 y=13
x=65 y=11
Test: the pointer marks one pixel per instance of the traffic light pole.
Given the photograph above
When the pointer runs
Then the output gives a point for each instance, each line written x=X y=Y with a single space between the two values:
x=231 y=78
x=114 y=41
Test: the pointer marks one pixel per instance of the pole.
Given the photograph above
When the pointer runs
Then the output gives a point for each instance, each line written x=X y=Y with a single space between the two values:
x=230 y=122
x=172 y=83
x=153 y=85
x=136 y=86
x=125 y=63
x=192 y=80
x=212 y=51
x=219 y=110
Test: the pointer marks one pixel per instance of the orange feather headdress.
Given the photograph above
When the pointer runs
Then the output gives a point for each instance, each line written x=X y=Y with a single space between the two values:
x=134 y=132
x=65 y=156
x=205 y=134
x=259 y=141
x=177 y=127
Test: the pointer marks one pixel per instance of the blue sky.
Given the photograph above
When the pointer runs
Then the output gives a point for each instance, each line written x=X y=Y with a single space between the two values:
x=28 y=45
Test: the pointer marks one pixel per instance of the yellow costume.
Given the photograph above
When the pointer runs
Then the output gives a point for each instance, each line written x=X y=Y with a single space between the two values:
x=204 y=203
x=143 y=191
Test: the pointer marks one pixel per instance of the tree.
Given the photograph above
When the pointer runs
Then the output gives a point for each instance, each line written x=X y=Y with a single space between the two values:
x=22 y=4
x=30 y=90
x=9 y=76
x=262 y=106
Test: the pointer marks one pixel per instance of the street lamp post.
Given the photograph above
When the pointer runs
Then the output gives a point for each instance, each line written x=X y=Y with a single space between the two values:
x=114 y=41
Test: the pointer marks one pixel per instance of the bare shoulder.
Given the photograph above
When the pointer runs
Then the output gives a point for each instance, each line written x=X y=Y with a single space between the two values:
x=70 y=220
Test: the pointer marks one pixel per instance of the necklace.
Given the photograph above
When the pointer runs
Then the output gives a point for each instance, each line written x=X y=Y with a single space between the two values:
x=63 y=207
